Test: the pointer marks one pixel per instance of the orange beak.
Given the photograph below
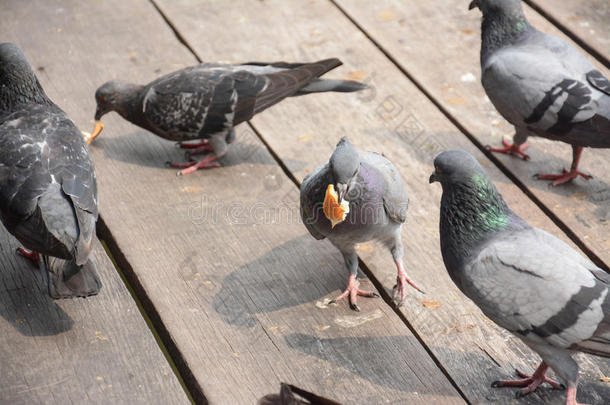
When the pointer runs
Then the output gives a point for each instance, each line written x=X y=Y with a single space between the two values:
x=96 y=131
x=334 y=211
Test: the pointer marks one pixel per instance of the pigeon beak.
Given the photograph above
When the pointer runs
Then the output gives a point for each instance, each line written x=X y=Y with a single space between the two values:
x=473 y=4
x=433 y=178
x=96 y=131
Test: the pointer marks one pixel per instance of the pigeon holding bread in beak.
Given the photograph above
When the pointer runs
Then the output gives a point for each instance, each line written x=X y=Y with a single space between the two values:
x=354 y=198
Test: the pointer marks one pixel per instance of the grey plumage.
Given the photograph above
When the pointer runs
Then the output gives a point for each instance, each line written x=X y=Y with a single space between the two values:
x=524 y=279
x=206 y=101
x=377 y=208
x=48 y=191
x=540 y=84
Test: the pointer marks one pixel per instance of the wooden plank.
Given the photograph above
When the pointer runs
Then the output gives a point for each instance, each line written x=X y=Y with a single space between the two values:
x=394 y=118
x=238 y=287
x=589 y=21
x=95 y=350
x=449 y=72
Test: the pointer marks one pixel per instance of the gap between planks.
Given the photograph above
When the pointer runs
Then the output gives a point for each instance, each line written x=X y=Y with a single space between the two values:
x=387 y=299
x=144 y=314
x=151 y=316
x=548 y=212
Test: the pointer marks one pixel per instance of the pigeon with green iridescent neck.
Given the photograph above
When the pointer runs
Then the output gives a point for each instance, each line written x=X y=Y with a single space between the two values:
x=541 y=85
x=377 y=201
x=524 y=279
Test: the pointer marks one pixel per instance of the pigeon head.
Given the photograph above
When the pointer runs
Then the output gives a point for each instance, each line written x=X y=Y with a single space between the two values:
x=470 y=200
x=456 y=167
x=17 y=80
x=344 y=165
x=112 y=96
x=488 y=7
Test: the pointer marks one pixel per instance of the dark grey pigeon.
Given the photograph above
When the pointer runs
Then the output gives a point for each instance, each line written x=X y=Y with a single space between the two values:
x=524 y=279
x=541 y=85
x=377 y=209
x=291 y=395
x=206 y=101
x=48 y=192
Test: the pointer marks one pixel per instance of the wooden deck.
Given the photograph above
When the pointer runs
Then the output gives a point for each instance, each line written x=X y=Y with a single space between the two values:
x=228 y=290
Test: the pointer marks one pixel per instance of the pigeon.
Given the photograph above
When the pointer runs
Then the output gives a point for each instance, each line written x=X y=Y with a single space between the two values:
x=541 y=85
x=374 y=191
x=291 y=395
x=48 y=190
x=206 y=101
x=524 y=279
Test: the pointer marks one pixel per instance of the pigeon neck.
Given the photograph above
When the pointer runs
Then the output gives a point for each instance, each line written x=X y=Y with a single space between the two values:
x=470 y=214
x=501 y=29
x=129 y=104
x=16 y=91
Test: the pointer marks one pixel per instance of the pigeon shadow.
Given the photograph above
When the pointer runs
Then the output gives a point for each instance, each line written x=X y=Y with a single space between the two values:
x=283 y=277
x=380 y=367
x=24 y=299
x=142 y=148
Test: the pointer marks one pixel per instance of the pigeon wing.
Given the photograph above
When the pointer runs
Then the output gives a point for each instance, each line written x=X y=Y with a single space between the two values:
x=533 y=284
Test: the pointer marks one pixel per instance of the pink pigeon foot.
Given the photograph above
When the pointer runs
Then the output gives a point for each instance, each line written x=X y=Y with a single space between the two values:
x=529 y=383
x=353 y=292
x=400 y=289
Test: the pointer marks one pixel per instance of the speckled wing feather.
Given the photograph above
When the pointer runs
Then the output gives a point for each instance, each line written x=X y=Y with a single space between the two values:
x=538 y=287
x=287 y=82
x=41 y=147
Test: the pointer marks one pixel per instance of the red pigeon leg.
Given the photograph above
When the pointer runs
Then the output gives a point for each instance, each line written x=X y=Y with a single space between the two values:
x=400 y=289
x=566 y=175
x=511 y=149
x=29 y=254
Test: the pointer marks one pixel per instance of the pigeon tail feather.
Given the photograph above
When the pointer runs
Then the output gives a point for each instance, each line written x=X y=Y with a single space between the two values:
x=66 y=279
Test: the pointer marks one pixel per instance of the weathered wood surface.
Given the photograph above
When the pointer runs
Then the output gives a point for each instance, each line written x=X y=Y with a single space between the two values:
x=438 y=44
x=97 y=350
x=234 y=277
x=587 y=20
x=396 y=119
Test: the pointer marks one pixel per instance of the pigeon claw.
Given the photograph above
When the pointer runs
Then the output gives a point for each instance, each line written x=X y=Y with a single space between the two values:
x=28 y=254
x=528 y=383
x=352 y=292
x=399 y=292
x=511 y=149
x=564 y=177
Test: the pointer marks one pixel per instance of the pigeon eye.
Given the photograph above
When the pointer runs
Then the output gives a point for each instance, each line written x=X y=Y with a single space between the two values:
x=102 y=99
x=438 y=170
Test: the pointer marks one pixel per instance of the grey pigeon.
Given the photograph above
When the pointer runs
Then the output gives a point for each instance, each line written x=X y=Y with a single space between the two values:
x=377 y=209
x=524 y=279
x=541 y=85
x=206 y=101
x=291 y=395
x=48 y=191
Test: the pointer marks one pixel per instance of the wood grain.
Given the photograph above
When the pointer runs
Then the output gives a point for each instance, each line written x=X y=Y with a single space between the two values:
x=234 y=277
x=589 y=21
x=392 y=117
x=448 y=69
x=95 y=350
